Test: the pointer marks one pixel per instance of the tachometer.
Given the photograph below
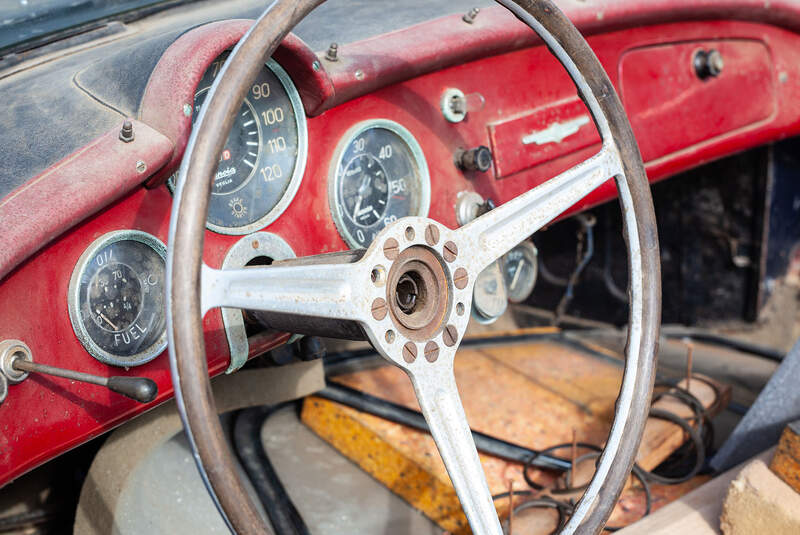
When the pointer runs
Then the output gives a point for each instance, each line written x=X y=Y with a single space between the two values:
x=379 y=175
x=264 y=158
x=116 y=298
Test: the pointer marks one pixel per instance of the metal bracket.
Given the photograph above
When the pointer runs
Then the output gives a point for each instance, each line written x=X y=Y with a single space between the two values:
x=243 y=251
x=11 y=350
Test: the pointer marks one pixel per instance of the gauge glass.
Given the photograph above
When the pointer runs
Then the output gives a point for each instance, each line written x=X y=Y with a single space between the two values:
x=379 y=175
x=264 y=157
x=489 y=298
x=116 y=298
x=520 y=267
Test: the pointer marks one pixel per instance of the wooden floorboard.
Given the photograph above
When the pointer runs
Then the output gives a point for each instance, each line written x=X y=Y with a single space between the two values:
x=535 y=394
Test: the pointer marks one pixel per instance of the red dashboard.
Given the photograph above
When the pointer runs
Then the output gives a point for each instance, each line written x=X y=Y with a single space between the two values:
x=679 y=119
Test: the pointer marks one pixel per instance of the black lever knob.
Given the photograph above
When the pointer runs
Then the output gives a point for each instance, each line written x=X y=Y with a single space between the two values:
x=708 y=64
x=140 y=389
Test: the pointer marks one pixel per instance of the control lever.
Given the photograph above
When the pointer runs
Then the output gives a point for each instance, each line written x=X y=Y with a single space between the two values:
x=139 y=389
x=16 y=362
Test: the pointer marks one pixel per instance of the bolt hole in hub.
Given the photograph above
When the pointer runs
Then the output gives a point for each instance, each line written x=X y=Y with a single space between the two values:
x=417 y=292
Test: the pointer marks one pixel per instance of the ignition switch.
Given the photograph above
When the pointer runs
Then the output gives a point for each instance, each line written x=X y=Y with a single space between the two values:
x=475 y=159
x=708 y=64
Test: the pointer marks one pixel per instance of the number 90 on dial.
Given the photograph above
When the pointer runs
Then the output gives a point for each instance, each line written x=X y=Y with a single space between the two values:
x=378 y=175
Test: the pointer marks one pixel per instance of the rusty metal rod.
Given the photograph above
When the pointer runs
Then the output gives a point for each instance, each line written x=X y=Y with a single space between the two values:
x=139 y=389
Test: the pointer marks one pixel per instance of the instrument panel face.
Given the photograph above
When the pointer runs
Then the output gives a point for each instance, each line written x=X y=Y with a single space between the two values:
x=379 y=175
x=116 y=298
x=264 y=158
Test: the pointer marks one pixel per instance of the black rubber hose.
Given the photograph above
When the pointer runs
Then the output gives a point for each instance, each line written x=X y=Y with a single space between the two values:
x=768 y=353
x=282 y=513
x=694 y=436
x=403 y=415
x=531 y=461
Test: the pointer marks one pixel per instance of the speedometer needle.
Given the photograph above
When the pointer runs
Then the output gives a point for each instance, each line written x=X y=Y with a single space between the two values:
x=108 y=321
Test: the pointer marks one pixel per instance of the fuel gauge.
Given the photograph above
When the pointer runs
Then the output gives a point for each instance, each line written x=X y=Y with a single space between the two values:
x=116 y=298
x=520 y=267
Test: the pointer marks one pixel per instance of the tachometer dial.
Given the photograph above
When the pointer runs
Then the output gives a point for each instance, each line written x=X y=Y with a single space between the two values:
x=264 y=158
x=520 y=267
x=379 y=175
x=116 y=298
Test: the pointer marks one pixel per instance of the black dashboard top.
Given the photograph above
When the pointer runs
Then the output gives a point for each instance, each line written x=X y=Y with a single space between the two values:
x=57 y=103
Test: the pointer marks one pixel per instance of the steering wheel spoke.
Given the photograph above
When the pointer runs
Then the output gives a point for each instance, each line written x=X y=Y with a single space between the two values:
x=498 y=231
x=319 y=290
x=436 y=391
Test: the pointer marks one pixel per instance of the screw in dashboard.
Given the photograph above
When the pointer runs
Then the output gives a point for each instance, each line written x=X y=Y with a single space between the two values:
x=333 y=52
x=126 y=133
x=469 y=18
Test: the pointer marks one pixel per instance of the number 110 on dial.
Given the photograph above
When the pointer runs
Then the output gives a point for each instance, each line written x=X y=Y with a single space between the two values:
x=379 y=175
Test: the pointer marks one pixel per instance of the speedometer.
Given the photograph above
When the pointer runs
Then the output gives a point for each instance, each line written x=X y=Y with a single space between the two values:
x=379 y=175
x=264 y=158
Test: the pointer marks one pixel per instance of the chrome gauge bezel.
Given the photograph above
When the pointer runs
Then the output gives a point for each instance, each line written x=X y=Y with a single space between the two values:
x=74 y=301
x=299 y=167
x=333 y=187
x=532 y=254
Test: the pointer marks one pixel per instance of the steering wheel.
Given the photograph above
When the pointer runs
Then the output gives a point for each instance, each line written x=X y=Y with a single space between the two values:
x=365 y=289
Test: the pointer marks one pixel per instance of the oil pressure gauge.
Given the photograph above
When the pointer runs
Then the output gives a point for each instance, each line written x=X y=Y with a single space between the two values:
x=520 y=267
x=116 y=298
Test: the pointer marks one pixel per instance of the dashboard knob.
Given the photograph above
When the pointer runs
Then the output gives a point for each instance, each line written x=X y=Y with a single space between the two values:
x=708 y=64
x=475 y=159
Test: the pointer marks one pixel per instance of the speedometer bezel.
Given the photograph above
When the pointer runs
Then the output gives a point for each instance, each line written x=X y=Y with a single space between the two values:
x=300 y=162
x=74 y=300
x=333 y=180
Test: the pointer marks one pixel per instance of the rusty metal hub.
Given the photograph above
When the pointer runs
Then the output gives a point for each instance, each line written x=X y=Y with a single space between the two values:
x=417 y=292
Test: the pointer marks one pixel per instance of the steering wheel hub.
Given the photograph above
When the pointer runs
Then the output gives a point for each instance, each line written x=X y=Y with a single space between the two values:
x=418 y=293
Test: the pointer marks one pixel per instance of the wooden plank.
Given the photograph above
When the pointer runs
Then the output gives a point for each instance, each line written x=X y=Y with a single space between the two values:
x=786 y=462
x=696 y=513
x=535 y=394
x=591 y=382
